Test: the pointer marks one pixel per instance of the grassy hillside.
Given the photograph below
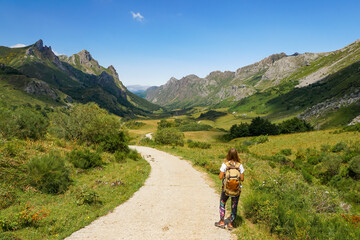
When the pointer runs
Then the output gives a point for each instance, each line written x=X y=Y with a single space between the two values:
x=61 y=168
x=101 y=85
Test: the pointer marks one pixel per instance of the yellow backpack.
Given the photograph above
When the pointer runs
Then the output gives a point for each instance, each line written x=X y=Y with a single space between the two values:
x=231 y=183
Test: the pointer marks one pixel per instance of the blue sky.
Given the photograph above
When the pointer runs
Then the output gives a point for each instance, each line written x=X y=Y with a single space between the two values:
x=150 y=41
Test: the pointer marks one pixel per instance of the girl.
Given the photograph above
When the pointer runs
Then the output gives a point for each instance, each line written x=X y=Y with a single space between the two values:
x=232 y=161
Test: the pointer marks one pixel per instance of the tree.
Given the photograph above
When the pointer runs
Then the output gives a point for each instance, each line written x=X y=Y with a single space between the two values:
x=260 y=126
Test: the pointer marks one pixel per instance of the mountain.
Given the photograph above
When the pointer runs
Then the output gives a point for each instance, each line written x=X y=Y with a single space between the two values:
x=230 y=86
x=76 y=78
x=320 y=87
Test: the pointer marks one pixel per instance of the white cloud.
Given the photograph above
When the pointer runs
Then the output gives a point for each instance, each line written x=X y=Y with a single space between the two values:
x=137 y=16
x=19 y=45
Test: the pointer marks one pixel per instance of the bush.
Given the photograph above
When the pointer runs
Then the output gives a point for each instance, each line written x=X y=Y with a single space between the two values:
x=260 y=139
x=88 y=196
x=86 y=123
x=165 y=124
x=23 y=123
x=120 y=157
x=261 y=126
x=7 y=197
x=169 y=136
x=201 y=145
x=294 y=125
x=286 y=152
x=354 y=167
x=329 y=167
x=85 y=159
x=114 y=142
x=241 y=130
x=134 y=155
x=49 y=174
x=340 y=146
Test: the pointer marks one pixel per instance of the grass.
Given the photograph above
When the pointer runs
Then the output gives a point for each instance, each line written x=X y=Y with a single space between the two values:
x=65 y=215
x=256 y=169
x=298 y=141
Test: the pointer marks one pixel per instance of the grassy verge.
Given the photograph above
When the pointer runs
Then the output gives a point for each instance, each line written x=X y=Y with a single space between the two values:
x=92 y=193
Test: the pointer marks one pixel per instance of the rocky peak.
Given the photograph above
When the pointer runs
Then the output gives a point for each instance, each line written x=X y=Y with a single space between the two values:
x=113 y=71
x=85 y=56
x=43 y=53
x=39 y=45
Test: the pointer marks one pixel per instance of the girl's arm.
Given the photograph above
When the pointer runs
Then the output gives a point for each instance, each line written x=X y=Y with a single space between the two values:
x=242 y=177
x=221 y=175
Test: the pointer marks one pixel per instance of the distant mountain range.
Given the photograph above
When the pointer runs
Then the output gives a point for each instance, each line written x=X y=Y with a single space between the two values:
x=310 y=85
x=37 y=71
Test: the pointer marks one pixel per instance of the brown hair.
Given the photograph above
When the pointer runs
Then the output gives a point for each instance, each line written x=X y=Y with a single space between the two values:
x=232 y=155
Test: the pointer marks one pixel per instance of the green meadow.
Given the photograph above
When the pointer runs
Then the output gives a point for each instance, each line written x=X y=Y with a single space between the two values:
x=297 y=186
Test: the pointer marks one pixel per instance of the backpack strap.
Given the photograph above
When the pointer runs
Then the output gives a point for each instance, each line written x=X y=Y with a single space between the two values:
x=229 y=166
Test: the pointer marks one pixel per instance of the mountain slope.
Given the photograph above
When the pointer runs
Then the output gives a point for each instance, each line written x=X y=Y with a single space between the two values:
x=79 y=76
x=229 y=86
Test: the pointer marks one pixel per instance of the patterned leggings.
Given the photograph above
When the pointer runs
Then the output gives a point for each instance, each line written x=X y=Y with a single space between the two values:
x=234 y=205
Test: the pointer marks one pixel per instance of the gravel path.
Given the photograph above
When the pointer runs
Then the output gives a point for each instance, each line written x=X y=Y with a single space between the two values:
x=174 y=203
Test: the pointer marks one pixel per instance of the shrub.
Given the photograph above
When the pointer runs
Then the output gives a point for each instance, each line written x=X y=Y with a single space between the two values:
x=134 y=155
x=120 y=157
x=88 y=196
x=165 y=124
x=286 y=152
x=260 y=139
x=169 y=136
x=23 y=123
x=85 y=159
x=340 y=146
x=241 y=130
x=329 y=167
x=84 y=122
x=201 y=145
x=294 y=125
x=354 y=167
x=114 y=142
x=48 y=174
x=261 y=126
x=7 y=197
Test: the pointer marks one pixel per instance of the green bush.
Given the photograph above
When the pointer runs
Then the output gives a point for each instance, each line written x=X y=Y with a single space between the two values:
x=340 y=146
x=169 y=136
x=84 y=122
x=329 y=167
x=354 y=167
x=294 y=125
x=23 y=123
x=286 y=152
x=202 y=145
x=88 y=196
x=134 y=155
x=85 y=159
x=260 y=139
x=114 y=142
x=48 y=174
x=120 y=156
x=134 y=125
x=7 y=197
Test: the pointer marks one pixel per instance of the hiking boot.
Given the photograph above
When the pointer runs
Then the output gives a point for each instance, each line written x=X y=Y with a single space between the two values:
x=230 y=226
x=220 y=224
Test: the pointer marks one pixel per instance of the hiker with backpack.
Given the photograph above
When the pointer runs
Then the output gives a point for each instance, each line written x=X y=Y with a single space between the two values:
x=231 y=173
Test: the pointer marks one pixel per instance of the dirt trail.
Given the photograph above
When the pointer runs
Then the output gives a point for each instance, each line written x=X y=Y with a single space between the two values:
x=174 y=203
